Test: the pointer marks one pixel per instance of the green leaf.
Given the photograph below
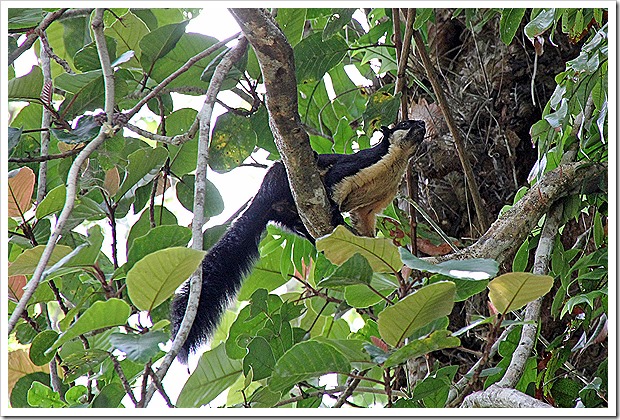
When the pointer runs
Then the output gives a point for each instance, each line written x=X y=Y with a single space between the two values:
x=13 y=138
x=188 y=46
x=232 y=142
x=139 y=348
x=422 y=16
x=521 y=257
x=381 y=109
x=472 y=269
x=24 y=18
x=355 y=270
x=398 y=321
x=26 y=87
x=305 y=360
x=87 y=58
x=539 y=24
x=53 y=202
x=512 y=291
x=155 y=277
x=88 y=255
x=215 y=372
x=40 y=395
x=509 y=23
x=342 y=244
x=74 y=83
x=19 y=393
x=314 y=56
x=160 y=42
x=163 y=217
x=565 y=391
x=361 y=296
x=265 y=275
x=292 y=21
x=142 y=167
x=39 y=346
x=86 y=130
x=338 y=19
x=433 y=390
x=352 y=349
x=27 y=261
x=214 y=204
x=160 y=237
x=110 y=396
x=436 y=341
x=102 y=314
x=81 y=362
x=259 y=360
x=128 y=34
x=76 y=396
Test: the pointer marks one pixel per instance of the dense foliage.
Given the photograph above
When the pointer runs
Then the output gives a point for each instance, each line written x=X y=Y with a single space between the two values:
x=365 y=309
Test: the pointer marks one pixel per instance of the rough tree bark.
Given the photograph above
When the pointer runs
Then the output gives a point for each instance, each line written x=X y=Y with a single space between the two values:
x=275 y=56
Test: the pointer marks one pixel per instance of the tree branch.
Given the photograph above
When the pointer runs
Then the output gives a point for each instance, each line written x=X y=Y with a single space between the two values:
x=458 y=142
x=74 y=172
x=498 y=397
x=275 y=57
x=532 y=310
x=32 y=37
x=176 y=74
x=511 y=228
x=204 y=117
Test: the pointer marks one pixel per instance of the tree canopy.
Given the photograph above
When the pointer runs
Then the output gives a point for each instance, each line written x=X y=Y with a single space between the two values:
x=487 y=283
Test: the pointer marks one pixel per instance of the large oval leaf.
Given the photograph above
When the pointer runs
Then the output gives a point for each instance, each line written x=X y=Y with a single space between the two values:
x=512 y=291
x=102 y=314
x=314 y=56
x=309 y=359
x=215 y=372
x=233 y=141
x=27 y=261
x=342 y=244
x=397 y=322
x=155 y=277
x=159 y=237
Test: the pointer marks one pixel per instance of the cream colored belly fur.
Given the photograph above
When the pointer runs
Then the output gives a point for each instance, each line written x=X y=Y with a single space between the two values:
x=371 y=190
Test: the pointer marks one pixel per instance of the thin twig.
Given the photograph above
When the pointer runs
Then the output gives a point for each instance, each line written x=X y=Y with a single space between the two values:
x=74 y=172
x=542 y=258
x=47 y=157
x=32 y=37
x=204 y=116
x=185 y=67
x=454 y=131
x=124 y=381
x=352 y=383
x=160 y=387
x=46 y=122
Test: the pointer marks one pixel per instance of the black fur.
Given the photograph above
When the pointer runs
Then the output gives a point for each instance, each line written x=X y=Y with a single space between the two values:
x=233 y=256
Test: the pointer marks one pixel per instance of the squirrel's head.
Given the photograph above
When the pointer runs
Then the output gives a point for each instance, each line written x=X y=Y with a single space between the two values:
x=406 y=133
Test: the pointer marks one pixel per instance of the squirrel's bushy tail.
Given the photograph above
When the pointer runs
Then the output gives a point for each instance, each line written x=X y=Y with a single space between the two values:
x=230 y=260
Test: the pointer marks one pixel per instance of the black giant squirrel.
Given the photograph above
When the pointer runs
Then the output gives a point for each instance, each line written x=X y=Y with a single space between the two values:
x=363 y=184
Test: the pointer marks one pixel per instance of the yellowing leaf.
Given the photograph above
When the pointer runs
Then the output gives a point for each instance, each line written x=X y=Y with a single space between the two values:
x=21 y=186
x=342 y=244
x=19 y=364
x=512 y=291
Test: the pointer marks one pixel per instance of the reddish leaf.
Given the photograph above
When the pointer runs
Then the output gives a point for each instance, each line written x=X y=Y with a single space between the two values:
x=21 y=186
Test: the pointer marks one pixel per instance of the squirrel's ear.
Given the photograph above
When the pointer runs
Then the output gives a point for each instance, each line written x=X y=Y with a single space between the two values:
x=385 y=131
